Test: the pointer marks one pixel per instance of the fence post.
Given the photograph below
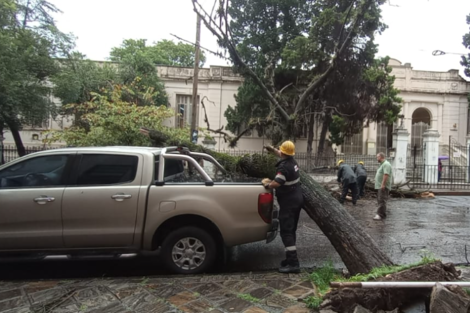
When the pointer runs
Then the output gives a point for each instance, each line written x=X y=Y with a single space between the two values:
x=400 y=145
x=431 y=154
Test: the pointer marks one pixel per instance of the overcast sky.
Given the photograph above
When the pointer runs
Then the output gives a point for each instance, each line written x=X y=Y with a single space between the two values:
x=416 y=27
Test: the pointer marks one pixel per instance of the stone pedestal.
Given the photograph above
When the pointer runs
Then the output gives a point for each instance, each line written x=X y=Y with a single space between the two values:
x=431 y=155
x=400 y=150
x=209 y=143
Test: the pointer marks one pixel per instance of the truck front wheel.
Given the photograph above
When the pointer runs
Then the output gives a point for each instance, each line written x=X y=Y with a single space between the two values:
x=189 y=250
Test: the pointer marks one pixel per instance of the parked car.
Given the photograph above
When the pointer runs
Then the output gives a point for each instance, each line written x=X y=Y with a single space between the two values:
x=117 y=202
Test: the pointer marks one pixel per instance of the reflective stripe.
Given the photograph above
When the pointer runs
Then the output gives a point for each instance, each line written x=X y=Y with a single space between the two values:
x=291 y=248
x=280 y=176
x=293 y=182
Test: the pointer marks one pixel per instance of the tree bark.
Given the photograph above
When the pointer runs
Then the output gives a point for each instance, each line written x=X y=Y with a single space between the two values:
x=2 y=126
x=445 y=301
x=356 y=248
x=324 y=131
x=310 y=141
x=15 y=131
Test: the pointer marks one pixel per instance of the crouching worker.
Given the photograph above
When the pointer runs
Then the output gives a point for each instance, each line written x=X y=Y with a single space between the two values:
x=347 y=178
x=290 y=199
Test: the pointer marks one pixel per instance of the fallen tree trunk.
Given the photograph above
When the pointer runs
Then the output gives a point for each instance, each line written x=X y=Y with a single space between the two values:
x=356 y=248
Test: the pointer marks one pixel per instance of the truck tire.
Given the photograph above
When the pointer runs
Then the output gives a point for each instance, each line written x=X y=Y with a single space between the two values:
x=189 y=250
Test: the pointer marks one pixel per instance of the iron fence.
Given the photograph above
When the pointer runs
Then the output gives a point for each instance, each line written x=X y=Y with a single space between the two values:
x=9 y=153
x=320 y=163
x=449 y=177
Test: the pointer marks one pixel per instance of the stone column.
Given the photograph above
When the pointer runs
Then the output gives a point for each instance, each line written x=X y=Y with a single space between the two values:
x=467 y=178
x=371 y=139
x=400 y=151
x=431 y=154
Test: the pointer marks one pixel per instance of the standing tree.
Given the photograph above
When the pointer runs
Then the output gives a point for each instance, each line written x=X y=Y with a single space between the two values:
x=466 y=59
x=29 y=42
x=338 y=31
x=78 y=78
x=356 y=90
x=110 y=117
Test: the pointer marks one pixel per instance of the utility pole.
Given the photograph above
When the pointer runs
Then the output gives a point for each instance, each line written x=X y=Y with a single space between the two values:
x=194 y=132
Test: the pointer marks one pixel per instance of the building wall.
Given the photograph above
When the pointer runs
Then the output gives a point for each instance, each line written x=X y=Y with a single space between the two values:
x=443 y=94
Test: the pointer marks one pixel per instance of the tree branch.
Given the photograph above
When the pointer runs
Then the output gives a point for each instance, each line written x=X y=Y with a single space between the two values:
x=318 y=81
x=227 y=136
x=225 y=41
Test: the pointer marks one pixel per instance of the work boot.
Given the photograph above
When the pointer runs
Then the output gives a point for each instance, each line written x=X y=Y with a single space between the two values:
x=289 y=269
x=290 y=264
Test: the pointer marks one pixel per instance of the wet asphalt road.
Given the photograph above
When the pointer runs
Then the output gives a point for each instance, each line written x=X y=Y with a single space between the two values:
x=440 y=226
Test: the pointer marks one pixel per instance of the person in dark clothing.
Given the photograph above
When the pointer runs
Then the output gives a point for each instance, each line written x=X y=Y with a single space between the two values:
x=290 y=198
x=439 y=170
x=348 y=180
x=361 y=177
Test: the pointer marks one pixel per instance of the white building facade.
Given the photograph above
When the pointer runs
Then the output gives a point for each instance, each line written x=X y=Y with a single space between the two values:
x=436 y=100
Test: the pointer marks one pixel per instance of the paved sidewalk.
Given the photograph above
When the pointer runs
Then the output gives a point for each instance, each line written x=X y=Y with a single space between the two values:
x=248 y=293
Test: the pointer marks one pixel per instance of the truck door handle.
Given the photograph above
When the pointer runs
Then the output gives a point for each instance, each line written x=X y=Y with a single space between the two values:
x=121 y=197
x=43 y=199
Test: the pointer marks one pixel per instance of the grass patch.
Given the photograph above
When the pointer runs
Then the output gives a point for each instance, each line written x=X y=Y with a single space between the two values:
x=248 y=298
x=467 y=290
x=314 y=302
x=322 y=277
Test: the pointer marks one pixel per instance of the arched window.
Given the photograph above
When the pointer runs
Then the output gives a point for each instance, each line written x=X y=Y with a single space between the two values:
x=420 y=122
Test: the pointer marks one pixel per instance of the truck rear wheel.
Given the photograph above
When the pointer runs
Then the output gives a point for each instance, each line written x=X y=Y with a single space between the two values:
x=189 y=250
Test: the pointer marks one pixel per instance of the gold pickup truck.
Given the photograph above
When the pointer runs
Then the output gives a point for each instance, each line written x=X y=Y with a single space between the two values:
x=121 y=202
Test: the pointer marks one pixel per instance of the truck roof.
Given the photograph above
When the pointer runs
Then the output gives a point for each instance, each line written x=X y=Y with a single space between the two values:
x=105 y=149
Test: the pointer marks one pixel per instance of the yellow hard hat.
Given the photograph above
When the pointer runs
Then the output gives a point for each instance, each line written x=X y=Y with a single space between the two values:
x=288 y=148
x=361 y=162
x=340 y=161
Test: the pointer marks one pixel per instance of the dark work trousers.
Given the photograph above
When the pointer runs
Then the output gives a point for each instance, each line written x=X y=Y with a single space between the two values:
x=290 y=204
x=361 y=182
x=382 y=197
x=346 y=188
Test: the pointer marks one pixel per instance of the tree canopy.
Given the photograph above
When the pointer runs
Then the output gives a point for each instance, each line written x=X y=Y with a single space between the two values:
x=308 y=58
x=164 y=52
x=466 y=42
x=111 y=118
x=29 y=42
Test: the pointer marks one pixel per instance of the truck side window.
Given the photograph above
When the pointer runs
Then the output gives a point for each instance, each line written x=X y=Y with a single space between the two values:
x=44 y=171
x=107 y=169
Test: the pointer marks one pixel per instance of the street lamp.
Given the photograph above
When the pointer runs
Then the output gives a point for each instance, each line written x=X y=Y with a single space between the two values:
x=437 y=53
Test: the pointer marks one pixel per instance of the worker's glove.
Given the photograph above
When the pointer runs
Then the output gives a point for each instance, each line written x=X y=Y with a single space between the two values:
x=266 y=182
x=269 y=148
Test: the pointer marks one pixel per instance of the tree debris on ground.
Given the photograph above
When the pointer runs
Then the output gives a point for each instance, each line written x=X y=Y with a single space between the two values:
x=398 y=191
x=345 y=300
x=449 y=299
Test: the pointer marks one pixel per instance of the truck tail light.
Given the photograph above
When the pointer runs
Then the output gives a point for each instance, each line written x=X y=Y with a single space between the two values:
x=265 y=207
